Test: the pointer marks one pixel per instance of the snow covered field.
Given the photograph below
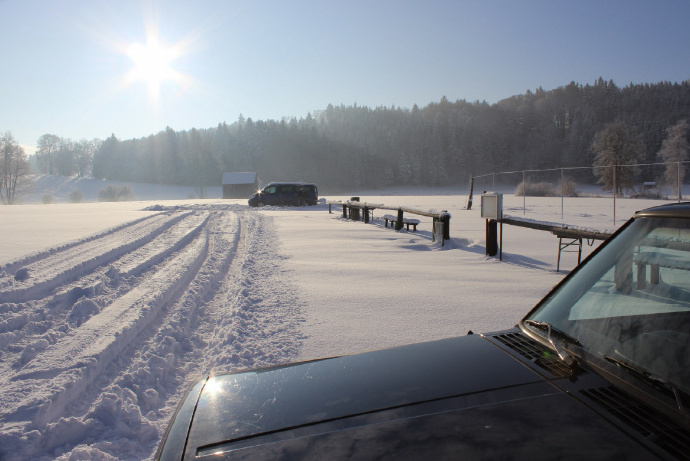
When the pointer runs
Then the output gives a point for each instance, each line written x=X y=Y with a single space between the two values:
x=108 y=311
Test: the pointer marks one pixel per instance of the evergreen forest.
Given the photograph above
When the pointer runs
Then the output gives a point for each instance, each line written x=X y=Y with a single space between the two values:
x=443 y=143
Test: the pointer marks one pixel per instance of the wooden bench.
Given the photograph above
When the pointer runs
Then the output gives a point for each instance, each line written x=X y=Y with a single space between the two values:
x=656 y=260
x=573 y=236
x=391 y=218
x=407 y=222
x=411 y=222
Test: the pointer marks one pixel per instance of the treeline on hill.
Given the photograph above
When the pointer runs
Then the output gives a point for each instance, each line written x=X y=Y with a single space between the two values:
x=441 y=144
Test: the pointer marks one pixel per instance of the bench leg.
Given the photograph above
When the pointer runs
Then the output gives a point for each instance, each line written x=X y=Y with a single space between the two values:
x=560 y=248
x=654 y=274
x=641 y=276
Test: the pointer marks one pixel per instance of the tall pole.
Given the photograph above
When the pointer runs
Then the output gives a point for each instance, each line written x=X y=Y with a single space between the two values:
x=524 y=194
x=680 y=194
x=614 y=195
x=562 y=186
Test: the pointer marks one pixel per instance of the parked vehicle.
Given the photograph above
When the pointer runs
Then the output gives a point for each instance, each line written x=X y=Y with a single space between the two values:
x=599 y=369
x=286 y=194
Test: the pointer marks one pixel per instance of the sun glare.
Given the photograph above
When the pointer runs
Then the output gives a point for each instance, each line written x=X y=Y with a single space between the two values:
x=152 y=64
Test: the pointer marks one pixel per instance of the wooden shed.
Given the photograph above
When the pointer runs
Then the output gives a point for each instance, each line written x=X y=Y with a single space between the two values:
x=240 y=185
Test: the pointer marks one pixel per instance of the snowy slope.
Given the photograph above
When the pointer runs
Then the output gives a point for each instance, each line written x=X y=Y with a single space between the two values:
x=59 y=189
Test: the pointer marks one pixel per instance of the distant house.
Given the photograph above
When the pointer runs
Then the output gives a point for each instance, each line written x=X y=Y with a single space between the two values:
x=240 y=185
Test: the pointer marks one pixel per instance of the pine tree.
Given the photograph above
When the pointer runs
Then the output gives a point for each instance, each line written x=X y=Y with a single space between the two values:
x=674 y=150
x=616 y=150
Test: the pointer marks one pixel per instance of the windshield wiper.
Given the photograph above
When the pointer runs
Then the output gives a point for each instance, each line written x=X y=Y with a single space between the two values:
x=649 y=378
x=552 y=331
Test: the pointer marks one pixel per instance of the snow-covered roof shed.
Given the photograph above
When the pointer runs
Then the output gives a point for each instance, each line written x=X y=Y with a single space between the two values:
x=240 y=185
x=239 y=178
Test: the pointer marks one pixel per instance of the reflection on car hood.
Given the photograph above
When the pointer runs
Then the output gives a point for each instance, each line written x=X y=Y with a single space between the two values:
x=459 y=398
x=246 y=404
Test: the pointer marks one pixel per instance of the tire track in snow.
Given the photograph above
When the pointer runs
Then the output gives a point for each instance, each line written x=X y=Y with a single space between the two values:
x=230 y=306
x=140 y=395
x=82 y=355
x=254 y=319
x=251 y=318
x=63 y=266
x=11 y=267
x=63 y=376
x=174 y=239
x=64 y=308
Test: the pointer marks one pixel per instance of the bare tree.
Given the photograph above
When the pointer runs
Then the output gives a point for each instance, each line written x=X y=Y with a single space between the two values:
x=65 y=163
x=201 y=155
x=84 y=151
x=48 y=145
x=616 y=150
x=674 y=150
x=14 y=166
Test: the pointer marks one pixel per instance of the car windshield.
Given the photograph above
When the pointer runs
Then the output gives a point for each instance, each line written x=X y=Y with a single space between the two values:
x=630 y=304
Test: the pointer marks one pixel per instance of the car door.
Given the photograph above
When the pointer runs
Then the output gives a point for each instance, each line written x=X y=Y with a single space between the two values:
x=271 y=196
x=288 y=195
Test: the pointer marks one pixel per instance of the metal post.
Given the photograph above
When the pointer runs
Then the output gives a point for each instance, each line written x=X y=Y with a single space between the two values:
x=491 y=237
x=524 y=194
x=562 y=186
x=500 y=244
x=560 y=248
x=493 y=180
x=614 y=195
x=680 y=195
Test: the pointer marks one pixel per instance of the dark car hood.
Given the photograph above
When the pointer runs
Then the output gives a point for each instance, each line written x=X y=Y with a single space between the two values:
x=463 y=396
x=245 y=404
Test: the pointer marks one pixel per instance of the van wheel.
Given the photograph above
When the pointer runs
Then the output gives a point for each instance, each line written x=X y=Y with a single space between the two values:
x=260 y=204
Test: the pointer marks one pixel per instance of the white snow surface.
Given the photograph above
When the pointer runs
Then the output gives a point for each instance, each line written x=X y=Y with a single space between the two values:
x=109 y=311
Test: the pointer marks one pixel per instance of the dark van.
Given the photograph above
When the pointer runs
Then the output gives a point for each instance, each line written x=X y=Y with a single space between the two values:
x=286 y=194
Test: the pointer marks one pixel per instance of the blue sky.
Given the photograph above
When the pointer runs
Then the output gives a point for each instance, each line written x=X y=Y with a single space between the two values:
x=68 y=67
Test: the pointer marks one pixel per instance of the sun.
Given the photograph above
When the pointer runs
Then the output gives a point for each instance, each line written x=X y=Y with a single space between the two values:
x=152 y=64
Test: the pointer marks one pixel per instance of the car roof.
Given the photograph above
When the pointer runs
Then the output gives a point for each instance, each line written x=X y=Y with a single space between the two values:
x=673 y=210
x=291 y=184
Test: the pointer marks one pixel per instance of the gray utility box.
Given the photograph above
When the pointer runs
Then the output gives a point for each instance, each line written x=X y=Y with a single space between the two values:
x=492 y=206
